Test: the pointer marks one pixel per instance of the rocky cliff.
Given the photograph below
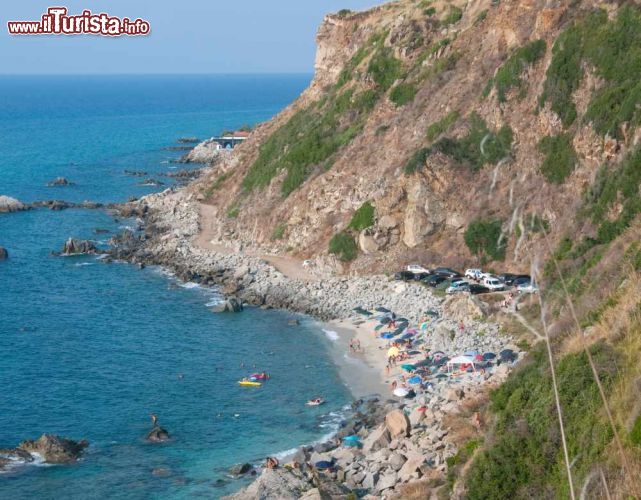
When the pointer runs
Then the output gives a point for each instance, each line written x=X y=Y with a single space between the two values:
x=458 y=133
x=441 y=116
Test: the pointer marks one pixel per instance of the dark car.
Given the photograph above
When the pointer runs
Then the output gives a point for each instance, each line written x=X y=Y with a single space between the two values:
x=476 y=289
x=434 y=280
x=519 y=280
x=421 y=276
x=447 y=272
x=404 y=276
x=505 y=277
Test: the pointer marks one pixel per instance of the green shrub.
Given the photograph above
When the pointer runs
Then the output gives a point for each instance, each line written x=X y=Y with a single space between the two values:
x=479 y=146
x=635 y=433
x=417 y=161
x=344 y=246
x=525 y=458
x=363 y=217
x=430 y=11
x=343 y=12
x=454 y=16
x=233 y=211
x=441 y=126
x=484 y=238
x=481 y=17
x=560 y=158
x=509 y=74
x=384 y=68
x=279 y=232
x=403 y=93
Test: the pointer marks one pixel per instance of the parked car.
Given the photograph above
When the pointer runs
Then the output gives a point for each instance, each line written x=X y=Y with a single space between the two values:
x=505 y=277
x=493 y=284
x=515 y=277
x=447 y=272
x=417 y=269
x=520 y=280
x=458 y=286
x=434 y=280
x=527 y=287
x=474 y=274
x=403 y=276
x=420 y=276
x=477 y=289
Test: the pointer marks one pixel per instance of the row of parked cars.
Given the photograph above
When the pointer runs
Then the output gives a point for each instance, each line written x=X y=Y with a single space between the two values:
x=473 y=281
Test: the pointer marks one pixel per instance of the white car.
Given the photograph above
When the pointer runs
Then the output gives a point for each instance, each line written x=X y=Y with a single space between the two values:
x=474 y=274
x=417 y=269
x=527 y=287
x=493 y=284
x=458 y=286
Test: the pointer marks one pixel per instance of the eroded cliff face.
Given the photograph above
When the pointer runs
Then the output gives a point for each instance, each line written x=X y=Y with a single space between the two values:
x=411 y=108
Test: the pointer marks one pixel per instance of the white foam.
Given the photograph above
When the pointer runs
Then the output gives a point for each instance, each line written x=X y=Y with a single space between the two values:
x=82 y=264
x=331 y=335
x=190 y=285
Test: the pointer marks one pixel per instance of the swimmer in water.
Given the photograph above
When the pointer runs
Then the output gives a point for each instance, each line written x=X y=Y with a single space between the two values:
x=154 y=420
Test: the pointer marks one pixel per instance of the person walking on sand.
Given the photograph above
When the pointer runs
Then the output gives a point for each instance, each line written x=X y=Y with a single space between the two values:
x=461 y=327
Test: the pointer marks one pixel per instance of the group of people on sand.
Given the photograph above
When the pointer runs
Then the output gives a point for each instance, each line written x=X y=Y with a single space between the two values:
x=509 y=303
x=355 y=345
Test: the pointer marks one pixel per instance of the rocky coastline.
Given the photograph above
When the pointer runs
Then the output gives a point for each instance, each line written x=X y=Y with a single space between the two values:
x=432 y=425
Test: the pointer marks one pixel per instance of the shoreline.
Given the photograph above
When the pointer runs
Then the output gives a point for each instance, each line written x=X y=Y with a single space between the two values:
x=173 y=239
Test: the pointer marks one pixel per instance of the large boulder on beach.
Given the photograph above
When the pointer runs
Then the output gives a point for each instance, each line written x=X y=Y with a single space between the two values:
x=377 y=439
x=398 y=424
x=158 y=435
x=78 y=247
x=411 y=466
x=54 y=449
x=8 y=204
x=281 y=483
x=463 y=307
x=4 y=255
x=240 y=469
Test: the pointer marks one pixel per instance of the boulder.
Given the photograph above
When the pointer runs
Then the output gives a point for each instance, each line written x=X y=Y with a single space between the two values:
x=232 y=304
x=157 y=435
x=4 y=255
x=387 y=222
x=280 y=483
x=387 y=481
x=398 y=424
x=367 y=243
x=371 y=478
x=77 y=247
x=377 y=439
x=240 y=469
x=396 y=461
x=417 y=415
x=8 y=204
x=59 y=181
x=462 y=307
x=54 y=449
x=413 y=464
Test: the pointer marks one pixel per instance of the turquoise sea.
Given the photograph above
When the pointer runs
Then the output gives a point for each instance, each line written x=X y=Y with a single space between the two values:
x=90 y=350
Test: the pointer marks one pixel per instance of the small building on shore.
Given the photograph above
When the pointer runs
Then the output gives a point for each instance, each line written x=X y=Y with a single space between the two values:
x=231 y=140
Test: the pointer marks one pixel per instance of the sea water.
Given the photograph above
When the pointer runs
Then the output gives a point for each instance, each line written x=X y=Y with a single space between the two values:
x=89 y=349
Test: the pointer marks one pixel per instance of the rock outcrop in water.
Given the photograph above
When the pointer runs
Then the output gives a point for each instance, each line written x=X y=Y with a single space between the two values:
x=4 y=254
x=231 y=304
x=8 y=204
x=77 y=247
x=48 y=447
x=158 y=435
x=60 y=182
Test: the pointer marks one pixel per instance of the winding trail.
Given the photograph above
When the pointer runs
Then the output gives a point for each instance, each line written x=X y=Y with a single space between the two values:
x=288 y=266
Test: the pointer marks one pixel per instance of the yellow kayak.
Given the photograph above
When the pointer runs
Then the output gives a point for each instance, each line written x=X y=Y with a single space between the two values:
x=249 y=383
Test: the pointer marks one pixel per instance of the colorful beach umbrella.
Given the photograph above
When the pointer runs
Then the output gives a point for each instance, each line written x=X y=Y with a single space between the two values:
x=392 y=351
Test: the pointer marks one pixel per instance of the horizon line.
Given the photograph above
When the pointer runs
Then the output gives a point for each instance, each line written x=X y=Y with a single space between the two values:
x=239 y=73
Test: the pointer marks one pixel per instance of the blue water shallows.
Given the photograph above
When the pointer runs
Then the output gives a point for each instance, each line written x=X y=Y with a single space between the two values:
x=90 y=350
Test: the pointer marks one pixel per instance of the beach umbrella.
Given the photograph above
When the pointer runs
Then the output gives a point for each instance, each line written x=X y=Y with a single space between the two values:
x=408 y=367
x=387 y=335
x=382 y=310
x=378 y=327
x=392 y=351
x=415 y=380
x=507 y=355
x=412 y=331
x=432 y=313
x=489 y=355
x=401 y=392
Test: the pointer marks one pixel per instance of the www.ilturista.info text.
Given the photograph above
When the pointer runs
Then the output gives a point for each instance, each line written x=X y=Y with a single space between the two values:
x=56 y=21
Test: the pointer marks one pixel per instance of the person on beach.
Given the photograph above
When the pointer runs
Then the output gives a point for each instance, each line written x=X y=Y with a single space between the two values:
x=357 y=345
x=271 y=463
x=461 y=327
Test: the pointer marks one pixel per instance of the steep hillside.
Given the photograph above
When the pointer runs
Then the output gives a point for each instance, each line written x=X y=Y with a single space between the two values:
x=505 y=133
x=438 y=115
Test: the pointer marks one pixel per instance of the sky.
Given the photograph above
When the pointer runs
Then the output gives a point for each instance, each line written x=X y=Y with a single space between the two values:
x=187 y=36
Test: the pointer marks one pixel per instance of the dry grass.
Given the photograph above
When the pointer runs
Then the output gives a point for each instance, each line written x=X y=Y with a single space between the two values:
x=418 y=490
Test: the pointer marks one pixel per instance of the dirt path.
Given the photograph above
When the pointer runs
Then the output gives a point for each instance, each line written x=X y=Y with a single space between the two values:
x=290 y=267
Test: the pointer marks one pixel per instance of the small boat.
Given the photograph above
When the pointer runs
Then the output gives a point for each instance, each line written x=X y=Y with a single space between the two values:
x=249 y=383
x=258 y=376
x=315 y=402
